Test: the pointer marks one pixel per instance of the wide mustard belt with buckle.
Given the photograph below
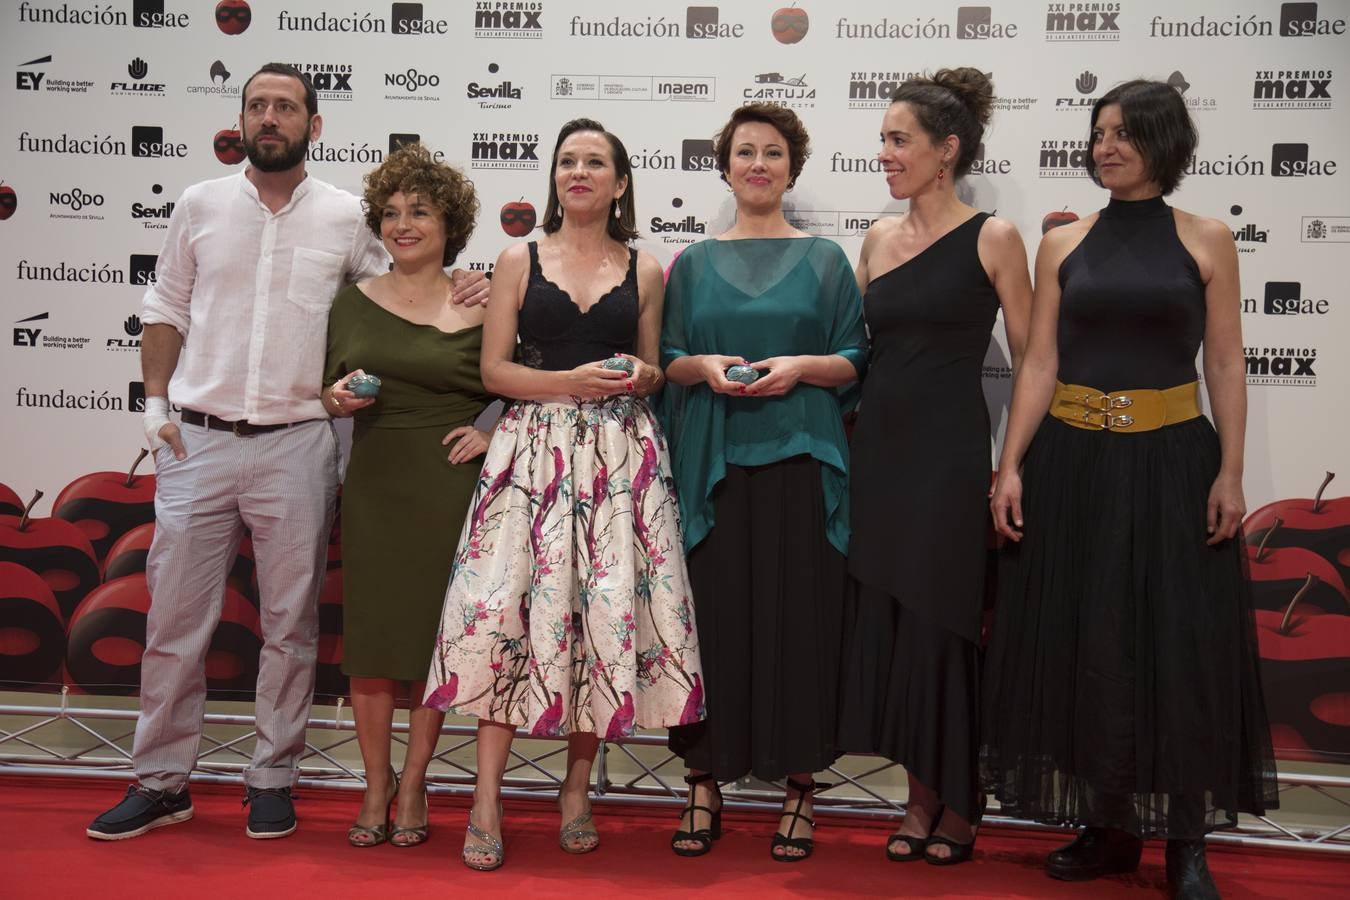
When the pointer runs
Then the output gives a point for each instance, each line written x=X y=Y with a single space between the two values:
x=1128 y=411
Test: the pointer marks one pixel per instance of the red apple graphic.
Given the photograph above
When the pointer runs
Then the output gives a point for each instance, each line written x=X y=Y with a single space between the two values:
x=790 y=24
x=518 y=218
x=106 y=505
x=1057 y=218
x=1320 y=525
x=229 y=146
x=233 y=16
x=1306 y=676
x=128 y=557
x=32 y=630
x=107 y=640
x=55 y=549
x=9 y=201
x=1277 y=572
x=10 y=504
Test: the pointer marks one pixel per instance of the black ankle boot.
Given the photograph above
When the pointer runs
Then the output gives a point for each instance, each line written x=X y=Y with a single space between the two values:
x=1188 y=875
x=1094 y=853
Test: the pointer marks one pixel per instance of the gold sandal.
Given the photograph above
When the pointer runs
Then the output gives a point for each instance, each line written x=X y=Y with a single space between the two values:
x=373 y=835
x=415 y=834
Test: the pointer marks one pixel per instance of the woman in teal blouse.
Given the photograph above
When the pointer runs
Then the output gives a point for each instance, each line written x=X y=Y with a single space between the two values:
x=762 y=472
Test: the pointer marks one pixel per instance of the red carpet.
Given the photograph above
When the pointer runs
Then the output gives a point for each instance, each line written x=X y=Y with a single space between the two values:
x=46 y=854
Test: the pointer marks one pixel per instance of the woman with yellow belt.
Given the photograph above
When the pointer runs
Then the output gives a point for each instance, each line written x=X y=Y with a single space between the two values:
x=1121 y=691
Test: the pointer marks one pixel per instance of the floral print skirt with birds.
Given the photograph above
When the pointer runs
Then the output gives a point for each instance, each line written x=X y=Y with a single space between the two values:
x=569 y=606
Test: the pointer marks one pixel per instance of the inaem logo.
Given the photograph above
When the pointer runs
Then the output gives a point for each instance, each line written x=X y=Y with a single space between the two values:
x=28 y=337
x=31 y=81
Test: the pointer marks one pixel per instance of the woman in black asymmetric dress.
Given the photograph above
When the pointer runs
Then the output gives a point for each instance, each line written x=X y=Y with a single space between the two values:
x=1122 y=690
x=933 y=283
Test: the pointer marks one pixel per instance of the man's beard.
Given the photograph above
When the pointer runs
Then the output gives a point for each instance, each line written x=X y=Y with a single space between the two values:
x=275 y=157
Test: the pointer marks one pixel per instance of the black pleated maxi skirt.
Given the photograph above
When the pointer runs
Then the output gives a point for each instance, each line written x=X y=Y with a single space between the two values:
x=768 y=596
x=1122 y=685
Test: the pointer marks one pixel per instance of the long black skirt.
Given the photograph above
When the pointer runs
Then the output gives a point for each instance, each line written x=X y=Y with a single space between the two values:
x=768 y=596
x=1122 y=685
x=910 y=693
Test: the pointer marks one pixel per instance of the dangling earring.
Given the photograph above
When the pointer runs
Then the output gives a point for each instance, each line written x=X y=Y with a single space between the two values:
x=942 y=171
x=617 y=212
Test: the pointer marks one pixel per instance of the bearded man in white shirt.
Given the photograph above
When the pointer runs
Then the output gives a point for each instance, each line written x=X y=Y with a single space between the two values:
x=235 y=329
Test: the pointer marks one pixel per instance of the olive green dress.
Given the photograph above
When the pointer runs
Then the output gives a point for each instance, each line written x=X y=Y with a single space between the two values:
x=403 y=502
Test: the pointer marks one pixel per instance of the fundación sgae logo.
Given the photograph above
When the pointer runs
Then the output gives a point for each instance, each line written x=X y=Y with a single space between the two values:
x=1296 y=20
x=144 y=14
x=700 y=23
x=1285 y=298
x=404 y=19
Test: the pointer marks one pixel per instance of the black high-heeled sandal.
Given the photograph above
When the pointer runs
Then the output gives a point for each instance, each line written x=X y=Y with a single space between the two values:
x=704 y=837
x=917 y=845
x=787 y=841
x=957 y=853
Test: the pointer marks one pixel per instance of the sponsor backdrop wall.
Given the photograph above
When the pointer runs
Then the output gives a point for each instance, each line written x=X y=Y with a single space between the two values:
x=113 y=107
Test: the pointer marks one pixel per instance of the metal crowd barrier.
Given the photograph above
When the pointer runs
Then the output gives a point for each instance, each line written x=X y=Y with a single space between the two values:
x=221 y=761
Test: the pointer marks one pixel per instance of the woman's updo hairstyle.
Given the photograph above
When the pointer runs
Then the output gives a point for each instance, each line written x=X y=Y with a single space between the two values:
x=953 y=101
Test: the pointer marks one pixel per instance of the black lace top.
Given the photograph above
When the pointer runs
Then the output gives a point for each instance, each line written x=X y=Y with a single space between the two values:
x=556 y=335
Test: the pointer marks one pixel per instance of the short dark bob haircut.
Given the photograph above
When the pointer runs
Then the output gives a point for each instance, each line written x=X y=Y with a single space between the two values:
x=276 y=68
x=623 y=227
x=788 y=125
x=411 y=169
x=1159 y=126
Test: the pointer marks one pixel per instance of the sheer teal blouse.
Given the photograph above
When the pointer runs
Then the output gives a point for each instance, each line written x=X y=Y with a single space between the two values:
x=757 y=298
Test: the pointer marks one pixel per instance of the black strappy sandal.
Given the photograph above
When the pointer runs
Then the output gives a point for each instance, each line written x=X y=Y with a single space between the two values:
x=787 y=841
x=917 y=845
x=704 y=837
x=958 y=853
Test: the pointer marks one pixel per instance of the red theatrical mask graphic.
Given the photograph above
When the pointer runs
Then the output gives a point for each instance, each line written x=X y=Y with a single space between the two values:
x=10 y=504
x=233 y=16
x=790 y=24
x=1057 y=218
x=1320 y=525
x=106 y=505
x=107 y=639
x=518 y=218
x=57 y=551
x=32 y=630
x=229 y=146
x=1306 y=678
x=9 y=201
